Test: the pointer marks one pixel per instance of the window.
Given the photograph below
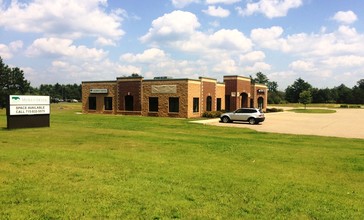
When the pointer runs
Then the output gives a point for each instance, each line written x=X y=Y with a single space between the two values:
x=173 y=104
x=218 y=104
x=108 y=103
x=129 y=103
x=209 y=103
x=153 y=104
x=227 y=102
x=92 y=103
x=196 y=103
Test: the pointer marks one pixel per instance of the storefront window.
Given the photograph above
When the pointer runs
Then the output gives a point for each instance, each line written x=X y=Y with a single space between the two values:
x=108 y=103
x=173 y=104
x=92 y=103
x=153 y=104
x=196 y=104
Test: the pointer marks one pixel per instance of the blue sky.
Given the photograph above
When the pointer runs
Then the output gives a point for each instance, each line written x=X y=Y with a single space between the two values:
x=65 y=41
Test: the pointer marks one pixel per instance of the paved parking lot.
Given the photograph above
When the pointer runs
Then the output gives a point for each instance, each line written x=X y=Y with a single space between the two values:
x=348 y=123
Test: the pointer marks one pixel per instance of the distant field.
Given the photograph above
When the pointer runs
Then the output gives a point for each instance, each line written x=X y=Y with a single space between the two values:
x=130 y=167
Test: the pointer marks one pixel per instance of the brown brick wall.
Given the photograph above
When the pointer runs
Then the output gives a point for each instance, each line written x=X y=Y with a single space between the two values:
x=132 y=87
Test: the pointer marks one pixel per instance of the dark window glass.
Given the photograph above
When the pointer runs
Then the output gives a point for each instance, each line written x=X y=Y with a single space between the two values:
x=92 y=103
x=196 y=104
x=153 y=104
x=129 y=103
x=108 y=103
x=227 y=102
x=173 y=104
x=218 y=104
x=209 y=103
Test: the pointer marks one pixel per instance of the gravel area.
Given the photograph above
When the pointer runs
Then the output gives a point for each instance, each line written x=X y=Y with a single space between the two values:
x=347 y=123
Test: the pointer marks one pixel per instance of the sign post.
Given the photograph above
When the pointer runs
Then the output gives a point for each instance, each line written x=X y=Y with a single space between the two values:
x=26 y=111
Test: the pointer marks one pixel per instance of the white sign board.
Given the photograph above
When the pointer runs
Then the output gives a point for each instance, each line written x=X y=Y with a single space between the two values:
x=98 y=91
x=29 y=105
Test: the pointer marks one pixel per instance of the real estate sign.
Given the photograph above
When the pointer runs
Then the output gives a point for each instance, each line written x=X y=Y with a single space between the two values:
x=26 y=111
x=29 y=105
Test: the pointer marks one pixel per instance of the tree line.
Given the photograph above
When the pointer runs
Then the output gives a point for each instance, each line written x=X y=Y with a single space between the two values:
x=340 y=94
x=13 y=82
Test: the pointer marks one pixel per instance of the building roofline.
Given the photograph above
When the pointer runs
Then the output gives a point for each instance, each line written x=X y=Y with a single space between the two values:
x=106 y=81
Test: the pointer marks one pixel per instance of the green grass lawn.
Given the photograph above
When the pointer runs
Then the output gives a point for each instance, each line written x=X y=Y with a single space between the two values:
x=129 y=167
x=315 y=111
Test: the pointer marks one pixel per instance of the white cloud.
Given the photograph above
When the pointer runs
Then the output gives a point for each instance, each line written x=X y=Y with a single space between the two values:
x=225 y=66
x=148 y=56
x=176 y=25
x=183 y=3
x=66 y=18
x=253 y=56
x=212 y=2
x=58 y=47
x=270 y=8
x=258 y=67
x=345 y=61
x=230 y=40
x=301 y=65
x=217 y=12
x=344 y=40
x=345 y=17
x=7 y=51
x=268 y=37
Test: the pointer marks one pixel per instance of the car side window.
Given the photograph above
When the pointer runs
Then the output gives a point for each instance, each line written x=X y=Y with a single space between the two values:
x=239 y=111
x=244 y=111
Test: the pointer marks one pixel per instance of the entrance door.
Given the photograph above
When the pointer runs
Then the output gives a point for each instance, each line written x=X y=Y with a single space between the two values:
x=260 y=103
x=129 y=103
x=244 y=100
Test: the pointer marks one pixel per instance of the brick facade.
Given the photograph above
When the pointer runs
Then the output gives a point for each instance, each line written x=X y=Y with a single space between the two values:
x=165 y=97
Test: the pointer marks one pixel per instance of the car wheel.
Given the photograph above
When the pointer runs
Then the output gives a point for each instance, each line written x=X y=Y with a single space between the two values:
x=225 y=119
x=251 y=121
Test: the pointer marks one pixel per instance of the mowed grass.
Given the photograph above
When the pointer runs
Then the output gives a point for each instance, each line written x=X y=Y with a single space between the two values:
x=130 y=167
x=314 y=111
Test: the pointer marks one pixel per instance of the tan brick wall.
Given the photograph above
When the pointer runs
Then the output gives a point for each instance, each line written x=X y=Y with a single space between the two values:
x=220 y=93
x=194 y=91
x=257 y=95
x=163 y=98
x=111 y=88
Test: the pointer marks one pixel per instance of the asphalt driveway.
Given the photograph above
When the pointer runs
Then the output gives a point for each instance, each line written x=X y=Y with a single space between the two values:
x=348 y=123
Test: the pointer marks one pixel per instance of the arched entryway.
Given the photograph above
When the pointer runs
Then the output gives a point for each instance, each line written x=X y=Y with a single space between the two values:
x=244 y=100
x=260 y=102
x=208 y=103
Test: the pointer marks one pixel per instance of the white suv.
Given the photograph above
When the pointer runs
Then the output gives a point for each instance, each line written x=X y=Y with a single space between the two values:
x=251 y=115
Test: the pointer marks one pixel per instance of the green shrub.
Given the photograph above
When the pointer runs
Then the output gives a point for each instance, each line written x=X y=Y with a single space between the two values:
x=344 y=106
x=354 y=106
x=212 y=114
x=274 y=110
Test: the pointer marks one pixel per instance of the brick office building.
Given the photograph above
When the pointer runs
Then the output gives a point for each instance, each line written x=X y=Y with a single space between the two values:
x=168 y=97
